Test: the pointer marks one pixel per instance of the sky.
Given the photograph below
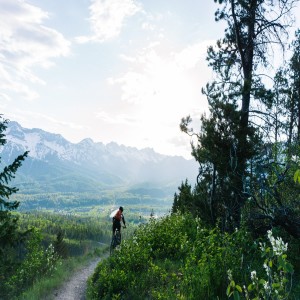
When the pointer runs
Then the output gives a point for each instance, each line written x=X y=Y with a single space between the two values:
x=111 y=70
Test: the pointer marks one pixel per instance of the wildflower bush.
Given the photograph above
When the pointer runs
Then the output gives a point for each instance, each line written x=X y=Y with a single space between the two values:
x=212 y=253
x=175 y=257
x=275 y=283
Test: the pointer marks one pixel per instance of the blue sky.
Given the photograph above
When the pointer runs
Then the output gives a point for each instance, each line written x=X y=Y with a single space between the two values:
x=111 y=70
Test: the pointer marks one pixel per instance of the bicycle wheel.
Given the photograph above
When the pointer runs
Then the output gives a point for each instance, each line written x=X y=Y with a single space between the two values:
x=118 y=238
x=112 y=244
x=115 y=241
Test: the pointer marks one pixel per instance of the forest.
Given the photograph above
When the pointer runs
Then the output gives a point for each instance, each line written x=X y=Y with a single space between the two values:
x=235 y=234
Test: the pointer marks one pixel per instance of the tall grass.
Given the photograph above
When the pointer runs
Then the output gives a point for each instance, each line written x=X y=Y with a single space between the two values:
x=44 y=288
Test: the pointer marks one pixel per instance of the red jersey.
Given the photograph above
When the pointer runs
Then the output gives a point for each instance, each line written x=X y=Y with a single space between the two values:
x=118 y=215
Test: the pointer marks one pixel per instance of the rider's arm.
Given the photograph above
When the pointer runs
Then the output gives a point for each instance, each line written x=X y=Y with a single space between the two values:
x=123 y=219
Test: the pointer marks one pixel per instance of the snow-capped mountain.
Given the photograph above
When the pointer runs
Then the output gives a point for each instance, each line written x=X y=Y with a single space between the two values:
x=57 y=164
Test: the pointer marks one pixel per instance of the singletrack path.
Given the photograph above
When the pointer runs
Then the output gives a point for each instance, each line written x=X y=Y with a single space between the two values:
x=75 y=287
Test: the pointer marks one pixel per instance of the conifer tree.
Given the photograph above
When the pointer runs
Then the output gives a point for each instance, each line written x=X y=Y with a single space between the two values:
x=230 y=137
x=183 y=201
x=294 y=99
x=60 y=245
x=9 y=235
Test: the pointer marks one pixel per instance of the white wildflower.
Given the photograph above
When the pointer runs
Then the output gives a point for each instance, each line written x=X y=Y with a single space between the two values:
x=267 y=269
x=253 y=276
x=229 y=274
x=246 y=292
x=267 y=288
x=279 y=247
x=262 y=247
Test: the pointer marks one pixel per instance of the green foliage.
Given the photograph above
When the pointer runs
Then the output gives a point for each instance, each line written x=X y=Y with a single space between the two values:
x=175 y=257
x=10 y=236
x=8 y=223
x=273 y=196
x=60 y=246
x=183 y=202
x=71 y=235
x=297 y=176
x=84 y=202
x=51 y=237
x=245 y=116
x=61 y=274
x=275 y=284
x=38 y=261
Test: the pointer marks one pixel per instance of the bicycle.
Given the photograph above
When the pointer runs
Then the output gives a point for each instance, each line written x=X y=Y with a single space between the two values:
x=115 y=241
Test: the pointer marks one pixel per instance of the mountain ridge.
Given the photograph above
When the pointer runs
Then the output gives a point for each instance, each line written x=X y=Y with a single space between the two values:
x=52 y=156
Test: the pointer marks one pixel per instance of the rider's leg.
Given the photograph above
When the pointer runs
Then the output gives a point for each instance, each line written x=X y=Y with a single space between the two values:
x=119 y=228
x=114 y=227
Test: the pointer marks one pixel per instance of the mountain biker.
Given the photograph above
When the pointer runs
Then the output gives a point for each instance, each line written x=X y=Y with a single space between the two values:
x=117 y=218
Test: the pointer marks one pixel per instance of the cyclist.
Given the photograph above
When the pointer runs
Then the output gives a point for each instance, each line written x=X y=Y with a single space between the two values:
x=117 y=218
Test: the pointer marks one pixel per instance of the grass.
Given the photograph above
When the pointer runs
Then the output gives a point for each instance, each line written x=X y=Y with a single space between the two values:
x=65 y=269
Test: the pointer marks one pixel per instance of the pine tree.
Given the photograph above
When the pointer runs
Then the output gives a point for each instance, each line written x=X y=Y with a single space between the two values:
x=183 y=201
x=294 y=99
x=230 y=136
x=9 y=235
x=252 y=28
x=60 y=245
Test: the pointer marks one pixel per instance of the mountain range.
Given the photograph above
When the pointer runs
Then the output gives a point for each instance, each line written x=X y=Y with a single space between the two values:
x=56 y=165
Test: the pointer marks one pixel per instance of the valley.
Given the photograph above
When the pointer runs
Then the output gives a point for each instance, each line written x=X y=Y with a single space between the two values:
x=64 y=177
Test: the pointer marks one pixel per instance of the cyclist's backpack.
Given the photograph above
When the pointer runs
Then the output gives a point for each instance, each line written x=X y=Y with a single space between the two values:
x=118 y=215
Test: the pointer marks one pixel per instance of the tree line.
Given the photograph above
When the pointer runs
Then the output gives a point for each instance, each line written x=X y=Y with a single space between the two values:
x=248 y=145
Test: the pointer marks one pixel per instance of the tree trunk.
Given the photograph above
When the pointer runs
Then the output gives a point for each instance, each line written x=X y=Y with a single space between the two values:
x=298 y=117
x=246 y=51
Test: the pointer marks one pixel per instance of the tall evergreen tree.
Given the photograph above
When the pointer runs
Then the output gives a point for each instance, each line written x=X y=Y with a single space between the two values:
x=294 y=99
x=183 y=201
x=229 y=137
x=252 y=27
x=9 y=235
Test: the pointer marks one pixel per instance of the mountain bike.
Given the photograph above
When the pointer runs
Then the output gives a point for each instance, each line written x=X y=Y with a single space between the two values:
x=115 y=241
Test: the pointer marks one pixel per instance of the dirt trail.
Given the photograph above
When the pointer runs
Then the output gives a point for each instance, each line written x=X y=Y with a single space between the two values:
x=75 y=287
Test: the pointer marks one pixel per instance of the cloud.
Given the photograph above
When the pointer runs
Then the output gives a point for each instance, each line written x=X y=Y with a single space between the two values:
x=25 y=43
x=148 y=26
x=107 y=19
x=28 y=118
x=115 y=118
x=161 y=87
x=167 y=80
x=189 y=57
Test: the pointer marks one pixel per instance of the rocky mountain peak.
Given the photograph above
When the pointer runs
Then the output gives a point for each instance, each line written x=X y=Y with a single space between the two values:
x=53 y=154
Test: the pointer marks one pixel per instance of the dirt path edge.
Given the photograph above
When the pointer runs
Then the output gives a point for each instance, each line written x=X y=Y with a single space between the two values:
x=75 y=287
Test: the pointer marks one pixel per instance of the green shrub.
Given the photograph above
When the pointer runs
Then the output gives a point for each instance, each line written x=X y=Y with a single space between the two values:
x=274 y=283
x=176 y=257
x=37 y=262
